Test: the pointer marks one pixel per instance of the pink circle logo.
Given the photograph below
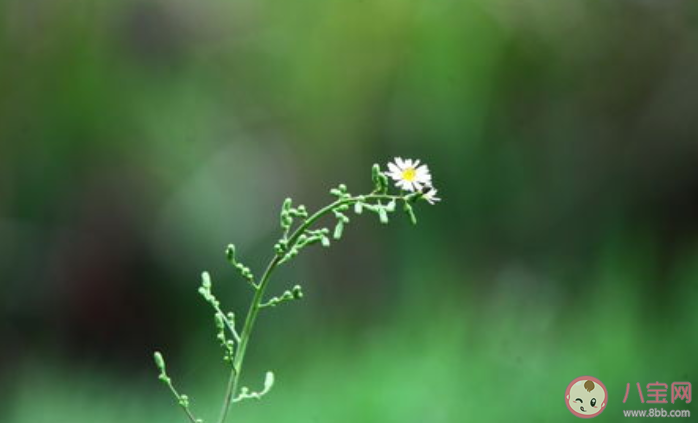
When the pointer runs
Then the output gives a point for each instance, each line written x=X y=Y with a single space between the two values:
x=586 y=397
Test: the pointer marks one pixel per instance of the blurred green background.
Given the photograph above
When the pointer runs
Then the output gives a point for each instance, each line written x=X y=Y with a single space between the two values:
x=138 y=138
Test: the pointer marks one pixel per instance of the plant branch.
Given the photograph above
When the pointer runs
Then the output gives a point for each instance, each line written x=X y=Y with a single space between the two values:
x=256 y=305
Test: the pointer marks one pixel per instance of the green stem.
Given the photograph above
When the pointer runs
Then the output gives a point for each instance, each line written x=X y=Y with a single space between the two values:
x=234 y=378
x=178 y=397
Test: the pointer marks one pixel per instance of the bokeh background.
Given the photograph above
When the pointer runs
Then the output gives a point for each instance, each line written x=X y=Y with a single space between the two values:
x=139 y=137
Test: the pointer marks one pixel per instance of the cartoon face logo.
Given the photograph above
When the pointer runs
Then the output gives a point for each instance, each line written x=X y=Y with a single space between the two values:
x=586 y=397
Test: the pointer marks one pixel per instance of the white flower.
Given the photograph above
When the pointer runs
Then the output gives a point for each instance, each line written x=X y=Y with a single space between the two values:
x=409 y=175
x=430 y=195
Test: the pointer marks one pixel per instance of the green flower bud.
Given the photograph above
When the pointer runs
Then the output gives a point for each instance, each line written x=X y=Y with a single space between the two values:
x=230 y=252
x=410 y=213
x=375 y=174
x=268 y=381
x=184 y=401
x=159 y=361
x=219 y=321
x=206 y=280
x=338 y=230
x=204 y=292
x=297 y=292
x=384 y=183
x=383 y=215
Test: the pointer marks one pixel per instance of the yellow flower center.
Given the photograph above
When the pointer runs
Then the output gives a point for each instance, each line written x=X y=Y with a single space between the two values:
x=409 y=174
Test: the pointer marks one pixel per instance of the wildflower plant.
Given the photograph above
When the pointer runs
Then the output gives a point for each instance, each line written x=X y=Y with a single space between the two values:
x=300 y=229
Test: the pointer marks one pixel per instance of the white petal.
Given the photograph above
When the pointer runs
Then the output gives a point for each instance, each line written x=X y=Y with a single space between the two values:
x=407 y=185
x=422 y=170
x=400 y=163
x=393 y=168
x=425 y=179
x=433 y=200
x=431 y=197
x=397 y=175
x=416 y=163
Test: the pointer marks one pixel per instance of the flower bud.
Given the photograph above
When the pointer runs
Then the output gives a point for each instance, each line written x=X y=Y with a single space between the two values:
x=268 y=381
x=383 y=215
x=184 y=401
x=297 y=292
x=219 y=321
x=338 y=229
x=206 y=280
x=159 y=361
x=375 y=173
x=410 y=213
x=230 y=252
x=325 y=241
